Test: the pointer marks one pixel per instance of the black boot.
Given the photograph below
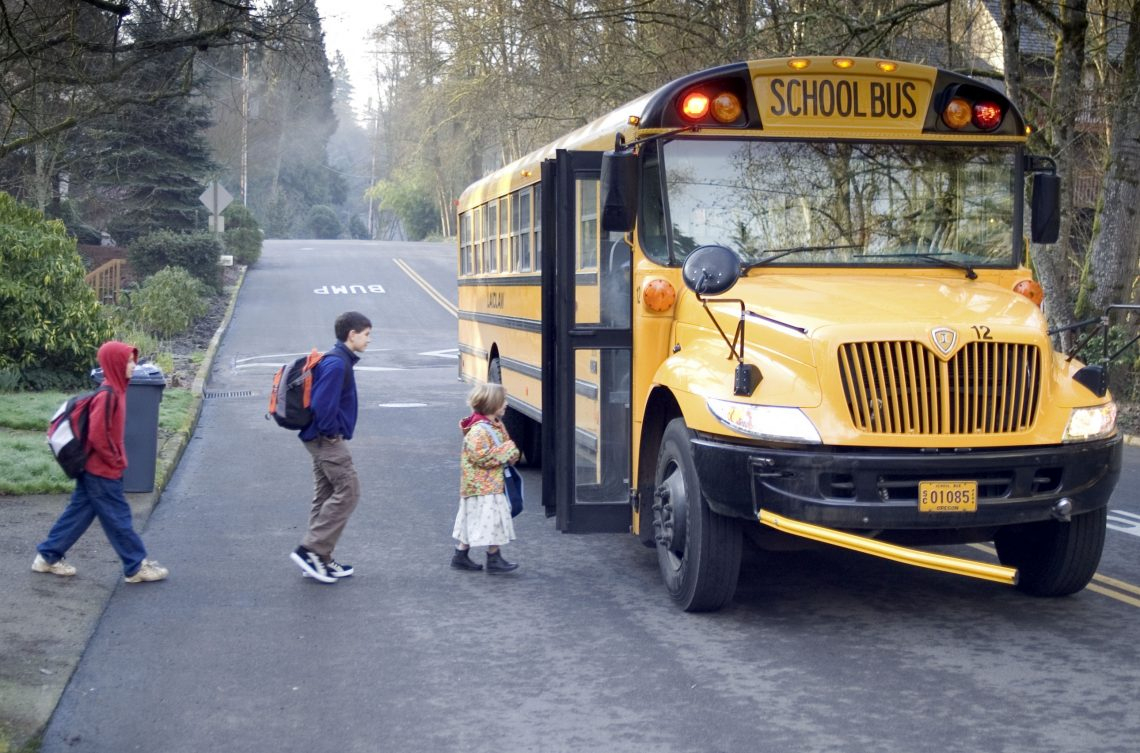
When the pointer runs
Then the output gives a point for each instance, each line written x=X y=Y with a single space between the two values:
x=461 y=560
x=496 y=563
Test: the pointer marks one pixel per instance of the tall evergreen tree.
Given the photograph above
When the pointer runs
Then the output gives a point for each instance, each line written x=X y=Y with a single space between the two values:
x=145 y=167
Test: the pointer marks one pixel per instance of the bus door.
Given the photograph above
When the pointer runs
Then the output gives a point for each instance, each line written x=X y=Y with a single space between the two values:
x=586 y=344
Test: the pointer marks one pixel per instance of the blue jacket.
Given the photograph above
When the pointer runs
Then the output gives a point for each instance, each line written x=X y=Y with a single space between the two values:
x=334 y=396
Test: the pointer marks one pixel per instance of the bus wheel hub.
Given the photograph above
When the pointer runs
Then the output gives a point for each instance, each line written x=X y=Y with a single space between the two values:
x=670 y=513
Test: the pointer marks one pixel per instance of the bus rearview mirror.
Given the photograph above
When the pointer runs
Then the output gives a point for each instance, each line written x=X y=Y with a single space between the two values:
x=620 y=175
x=1046 y=222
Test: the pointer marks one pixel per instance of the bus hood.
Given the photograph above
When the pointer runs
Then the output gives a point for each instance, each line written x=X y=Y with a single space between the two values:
x=804 y=318
x=877 y=306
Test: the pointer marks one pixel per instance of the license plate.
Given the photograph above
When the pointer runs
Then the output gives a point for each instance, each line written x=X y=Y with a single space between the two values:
x=947 y=496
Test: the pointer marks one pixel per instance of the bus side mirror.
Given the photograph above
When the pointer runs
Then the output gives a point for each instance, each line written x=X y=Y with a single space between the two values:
x=620 y=179
x=1046 y=222
x=711 y=270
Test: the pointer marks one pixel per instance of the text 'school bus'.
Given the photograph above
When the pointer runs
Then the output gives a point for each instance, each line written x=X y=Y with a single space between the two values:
x=792 y=297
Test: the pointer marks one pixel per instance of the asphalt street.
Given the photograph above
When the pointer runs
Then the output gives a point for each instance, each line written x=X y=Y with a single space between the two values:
x=581 y=649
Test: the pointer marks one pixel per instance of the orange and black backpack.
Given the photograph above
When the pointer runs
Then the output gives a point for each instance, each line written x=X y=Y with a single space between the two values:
x=291 y=397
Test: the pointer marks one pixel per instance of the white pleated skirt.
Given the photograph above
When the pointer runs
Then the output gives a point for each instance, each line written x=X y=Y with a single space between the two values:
x=484 y=520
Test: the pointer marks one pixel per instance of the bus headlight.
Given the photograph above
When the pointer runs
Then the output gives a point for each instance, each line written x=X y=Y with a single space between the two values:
x=765 y=421
x=1091 y=423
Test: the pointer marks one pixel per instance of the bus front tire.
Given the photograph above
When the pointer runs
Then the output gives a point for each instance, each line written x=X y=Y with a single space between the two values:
x=698 y=550
x=1054 y=558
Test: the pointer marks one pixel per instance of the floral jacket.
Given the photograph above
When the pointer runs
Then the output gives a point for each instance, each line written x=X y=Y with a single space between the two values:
x=486 y=449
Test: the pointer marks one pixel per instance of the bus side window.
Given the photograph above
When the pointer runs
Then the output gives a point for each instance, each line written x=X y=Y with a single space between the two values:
x=491 y=233
x=478 y=241
x=652 y=228
x=537 y=214
x=524 y=230
x=465 y=244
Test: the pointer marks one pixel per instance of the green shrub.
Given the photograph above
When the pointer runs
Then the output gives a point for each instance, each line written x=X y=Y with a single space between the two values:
x=357 y=229
x=243 y=235
x=245 y=244
x=168 y=302
x=323 y=223
x=197 y=253
x=410 y=199
x=51 y=325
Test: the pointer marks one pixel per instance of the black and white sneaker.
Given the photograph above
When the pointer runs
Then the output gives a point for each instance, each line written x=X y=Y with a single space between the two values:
x=311 y=564
x=335 y=569
x=338 y=569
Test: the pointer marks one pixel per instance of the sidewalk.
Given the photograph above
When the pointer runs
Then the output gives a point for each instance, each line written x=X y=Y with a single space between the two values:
x=46 y=620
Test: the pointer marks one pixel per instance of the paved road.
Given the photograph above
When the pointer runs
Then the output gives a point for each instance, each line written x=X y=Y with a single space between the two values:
x=581 y=650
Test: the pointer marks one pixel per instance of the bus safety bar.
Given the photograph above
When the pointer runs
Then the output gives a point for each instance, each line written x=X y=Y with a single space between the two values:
x=918 y=558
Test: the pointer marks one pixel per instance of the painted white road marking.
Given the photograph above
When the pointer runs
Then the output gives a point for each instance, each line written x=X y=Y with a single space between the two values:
x=1125 y=522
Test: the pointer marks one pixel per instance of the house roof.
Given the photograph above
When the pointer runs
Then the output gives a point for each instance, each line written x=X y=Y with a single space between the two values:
x=1039 y=40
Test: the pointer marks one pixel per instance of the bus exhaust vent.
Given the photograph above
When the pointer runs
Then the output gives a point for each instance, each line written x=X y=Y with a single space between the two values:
x=904 y=388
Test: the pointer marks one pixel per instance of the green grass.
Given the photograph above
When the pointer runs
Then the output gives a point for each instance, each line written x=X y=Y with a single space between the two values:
x=26 y=464
x=29 y=410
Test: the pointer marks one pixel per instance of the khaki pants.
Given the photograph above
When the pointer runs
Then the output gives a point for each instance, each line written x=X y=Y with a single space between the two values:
x=335 y=494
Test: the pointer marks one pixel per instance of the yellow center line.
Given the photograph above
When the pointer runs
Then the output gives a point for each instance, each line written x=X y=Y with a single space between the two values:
x=1113 y=594
x=1111 y=583
x=450 y=307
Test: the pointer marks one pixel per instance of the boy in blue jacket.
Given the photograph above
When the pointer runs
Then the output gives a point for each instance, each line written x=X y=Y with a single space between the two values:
x=336 y=487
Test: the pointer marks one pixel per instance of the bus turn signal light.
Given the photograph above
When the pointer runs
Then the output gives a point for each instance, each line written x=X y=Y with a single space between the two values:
x=695 y=105
x=658 y=295
x=1031 y=289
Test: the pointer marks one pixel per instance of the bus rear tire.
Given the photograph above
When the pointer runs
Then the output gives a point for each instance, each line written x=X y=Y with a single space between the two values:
x=1054 y=558
x=698 y=550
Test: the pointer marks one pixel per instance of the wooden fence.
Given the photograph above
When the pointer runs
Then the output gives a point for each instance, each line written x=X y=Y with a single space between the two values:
x=108 y=280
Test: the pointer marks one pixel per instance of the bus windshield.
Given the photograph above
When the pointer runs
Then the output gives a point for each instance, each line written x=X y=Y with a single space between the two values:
x=826 y=203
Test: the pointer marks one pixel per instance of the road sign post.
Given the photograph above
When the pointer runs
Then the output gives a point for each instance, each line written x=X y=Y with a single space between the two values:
x=216 y=198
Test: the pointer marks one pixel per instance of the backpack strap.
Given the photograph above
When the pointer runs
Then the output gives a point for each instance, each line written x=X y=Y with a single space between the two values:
x=347 y=363
x=106 y=413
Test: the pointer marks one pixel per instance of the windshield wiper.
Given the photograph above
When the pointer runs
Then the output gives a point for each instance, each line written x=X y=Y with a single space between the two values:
x=780 y=253
x=934 y=259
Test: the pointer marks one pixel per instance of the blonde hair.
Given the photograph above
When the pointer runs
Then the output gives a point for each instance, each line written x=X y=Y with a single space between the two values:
x=487 y=398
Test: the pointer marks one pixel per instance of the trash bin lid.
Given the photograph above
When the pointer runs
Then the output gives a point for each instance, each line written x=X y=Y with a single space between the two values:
x=148 y=373
x=145 y=373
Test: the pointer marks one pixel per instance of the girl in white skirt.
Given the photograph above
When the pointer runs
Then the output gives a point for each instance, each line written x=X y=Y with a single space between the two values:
x=484 y=517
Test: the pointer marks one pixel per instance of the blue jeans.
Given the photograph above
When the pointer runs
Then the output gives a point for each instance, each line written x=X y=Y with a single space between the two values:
x=96 y=497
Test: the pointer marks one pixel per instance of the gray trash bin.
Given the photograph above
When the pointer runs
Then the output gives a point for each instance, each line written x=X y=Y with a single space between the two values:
x=144 y=393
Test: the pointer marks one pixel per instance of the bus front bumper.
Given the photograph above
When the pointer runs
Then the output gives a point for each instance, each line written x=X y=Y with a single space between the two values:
x=867 y=489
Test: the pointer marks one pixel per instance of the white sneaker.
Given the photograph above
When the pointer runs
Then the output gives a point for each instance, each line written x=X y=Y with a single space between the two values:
x=148 y=571
x=40 y=565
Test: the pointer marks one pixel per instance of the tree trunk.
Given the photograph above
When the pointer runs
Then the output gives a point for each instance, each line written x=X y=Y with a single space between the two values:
x=1011 y=51
x=1054 y=266
x=1115 y=251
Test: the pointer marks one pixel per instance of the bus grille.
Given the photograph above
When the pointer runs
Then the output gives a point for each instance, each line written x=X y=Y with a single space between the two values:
x=904 y=388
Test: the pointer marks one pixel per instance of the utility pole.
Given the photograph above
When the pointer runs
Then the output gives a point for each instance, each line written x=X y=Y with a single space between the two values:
x=372 y=177
x=245 y=124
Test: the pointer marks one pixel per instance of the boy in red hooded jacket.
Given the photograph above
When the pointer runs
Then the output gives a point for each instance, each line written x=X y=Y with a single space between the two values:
x=99 y=488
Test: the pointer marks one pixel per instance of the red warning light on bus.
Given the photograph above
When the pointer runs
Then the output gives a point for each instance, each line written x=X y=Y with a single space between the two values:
x=987 y=115
x=695 y=105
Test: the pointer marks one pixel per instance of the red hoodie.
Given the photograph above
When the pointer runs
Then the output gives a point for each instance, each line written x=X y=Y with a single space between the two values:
x=107 y=422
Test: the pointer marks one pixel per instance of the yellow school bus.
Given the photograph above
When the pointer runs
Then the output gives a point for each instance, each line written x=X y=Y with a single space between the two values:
x=792 y=298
